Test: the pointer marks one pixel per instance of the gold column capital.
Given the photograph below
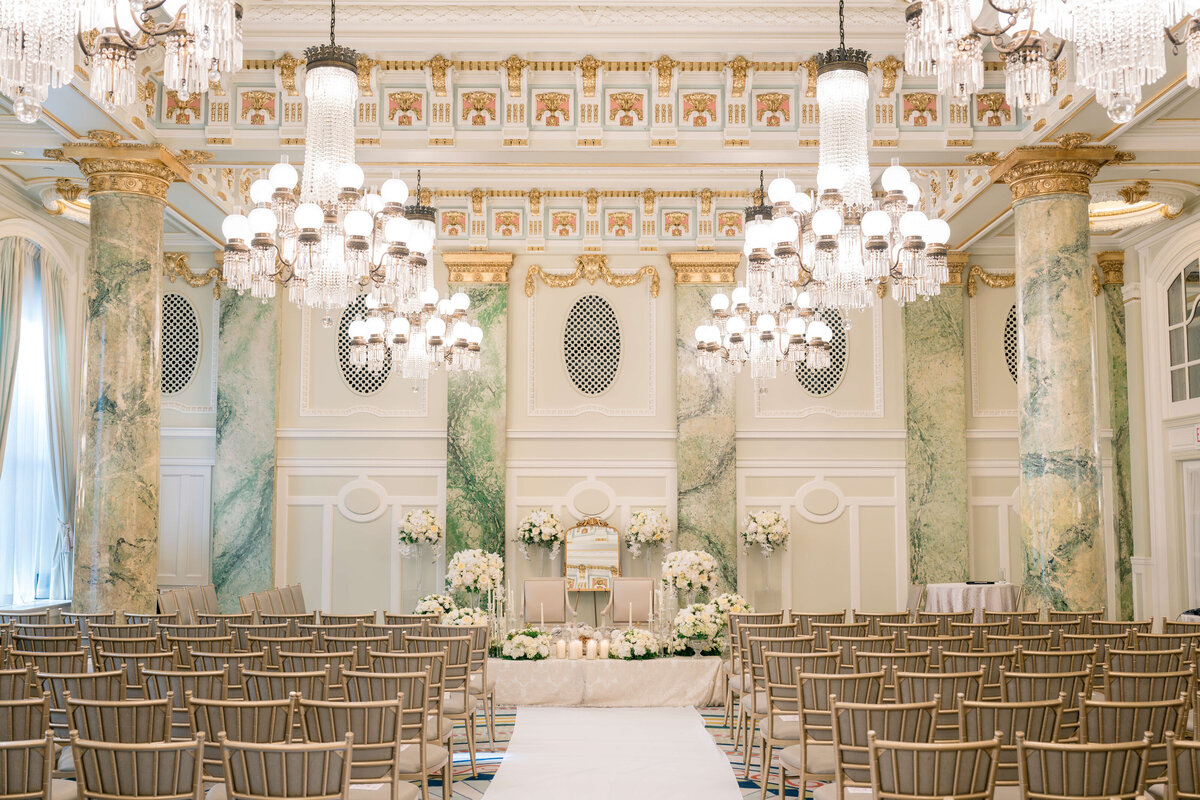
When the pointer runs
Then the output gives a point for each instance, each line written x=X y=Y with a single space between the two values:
x=1112 y=265
x=112 y=166
x=477 y=266
x=1065 y=168
x=704 y=267
x=956 y=261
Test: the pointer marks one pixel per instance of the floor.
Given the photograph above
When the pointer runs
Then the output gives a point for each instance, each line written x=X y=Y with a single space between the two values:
x=467 y=788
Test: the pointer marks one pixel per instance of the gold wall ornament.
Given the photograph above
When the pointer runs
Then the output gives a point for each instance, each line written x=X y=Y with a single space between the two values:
x=401 y=104
x=1112 y=266
x=190 y=157
x=920 y=103
x=593 y=200
x=706 y=201
x=147 y=93
x=810 y=66
x=175 y=265
x=551 y=104
x=1067 y=168
x=535 y=201
x=665 y=66
x=772 y=103
x=1134 y=194
x=1123 y=157
x=363 y=68
x=1071 y=141
x=103 y=137
x=591 y=267
x=889 y=68
x=588 y=67
x=700 y=104
x=992 y=280
x=988 y=159
x=738 y=68
x=627 y=103
x=438 y=66
x=704 y=267
x=993 y=107
x=477 y=196
x=477 y=266
x=648 y=198
x=478 y=106
x=287 y=64
x=957 y=262
x=514 y=67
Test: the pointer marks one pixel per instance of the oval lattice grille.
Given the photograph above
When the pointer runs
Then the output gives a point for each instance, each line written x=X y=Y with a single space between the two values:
x=360 y=379
x=1010 y=343
x=180 y=343
x=822 y=382
x=592 y=344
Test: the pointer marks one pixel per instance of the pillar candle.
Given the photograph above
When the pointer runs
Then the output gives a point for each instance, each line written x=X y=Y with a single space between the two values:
x=541 y=615
x=591 y=648
x=630 y=617
x=561 y=649
x=604 y=649
x=576 y=649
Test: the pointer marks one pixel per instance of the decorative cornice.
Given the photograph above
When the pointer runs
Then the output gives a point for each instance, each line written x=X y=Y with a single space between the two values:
x=704 y=267
x=591 y=267
x=477 y=266
x=991 y=280
x=957 y=263
x=1065 y=168
x=175 y=265
x=1112 y=266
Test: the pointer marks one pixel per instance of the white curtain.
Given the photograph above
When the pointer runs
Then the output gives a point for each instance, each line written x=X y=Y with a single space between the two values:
x=61 y=420
x=11 y=275
x=29 y=520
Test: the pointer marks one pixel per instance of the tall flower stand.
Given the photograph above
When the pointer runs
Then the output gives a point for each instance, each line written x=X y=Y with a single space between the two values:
x=764 y=577
x=420 y=568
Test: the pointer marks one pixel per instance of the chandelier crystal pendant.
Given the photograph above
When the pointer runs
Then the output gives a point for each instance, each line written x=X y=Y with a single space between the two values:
x=200 y=39
x=329 y=240
x=1118 y=45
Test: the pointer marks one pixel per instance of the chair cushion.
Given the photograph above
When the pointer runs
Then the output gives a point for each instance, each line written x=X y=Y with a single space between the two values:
x=758 y=703
x=477 y=679
x=410 y=758
x=66 y=760
x=828 y=791
x=452 y=704
x=1156 y=790
x=383 y=791
x=787 y=726
x=217 y=792
x=437 y=733
x=63 y=790
x=1008 y=793
x=735 y=683
x=821 y=760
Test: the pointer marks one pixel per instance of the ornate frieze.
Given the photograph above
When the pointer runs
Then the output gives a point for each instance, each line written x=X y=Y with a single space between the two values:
x=591 y=267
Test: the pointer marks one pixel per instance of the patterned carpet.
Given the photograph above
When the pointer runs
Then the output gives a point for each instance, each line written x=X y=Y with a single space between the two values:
x=467 y=788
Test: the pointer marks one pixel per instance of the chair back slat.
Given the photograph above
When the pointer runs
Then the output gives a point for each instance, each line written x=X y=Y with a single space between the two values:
x=124 y=721
x=1083 y=772
x=264 y=722
x=910 y=770
x=980 y=720
x=295 y=771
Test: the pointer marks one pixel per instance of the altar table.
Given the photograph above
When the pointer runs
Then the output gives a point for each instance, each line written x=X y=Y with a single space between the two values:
x=968 y=596
x=674 y=681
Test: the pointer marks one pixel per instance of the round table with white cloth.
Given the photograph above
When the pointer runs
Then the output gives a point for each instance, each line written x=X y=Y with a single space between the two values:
x=971 y=596
x=674 y=681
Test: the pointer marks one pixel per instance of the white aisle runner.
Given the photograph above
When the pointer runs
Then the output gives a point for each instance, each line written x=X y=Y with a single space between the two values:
x=612 y=754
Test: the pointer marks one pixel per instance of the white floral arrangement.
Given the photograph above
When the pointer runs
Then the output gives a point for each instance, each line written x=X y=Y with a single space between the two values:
x=420 y=527
x=689 y=570
x=633 y=645
x=529 y=644
x=730 y=603
x=540 y=528
x=474 y=571
x=466 y=617
x=647 y=528
x=698 y=622
x=435 y=605
x=767 y=529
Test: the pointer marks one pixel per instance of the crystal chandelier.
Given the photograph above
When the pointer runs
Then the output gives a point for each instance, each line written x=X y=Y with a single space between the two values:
x=327 y=239
x=832 y=252
x=200 y=38
x=1118 y=44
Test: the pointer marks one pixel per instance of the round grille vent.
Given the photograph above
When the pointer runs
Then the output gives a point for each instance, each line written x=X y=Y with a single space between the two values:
x=821 y=382
x=360 y=379
x=1010 y=342
x=592 y=344
x=180 y=343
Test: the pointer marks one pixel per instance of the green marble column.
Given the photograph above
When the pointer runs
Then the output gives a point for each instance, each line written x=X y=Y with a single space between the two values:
x=116 y=529
x=1058 y=441
x=936 y=440
x=476 y=410
x=705 y=444
x=1112 y=266
x=244 y=474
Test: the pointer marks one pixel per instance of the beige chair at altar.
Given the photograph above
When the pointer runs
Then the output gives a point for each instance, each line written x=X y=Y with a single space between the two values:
x=546 y=601
x=630 y=601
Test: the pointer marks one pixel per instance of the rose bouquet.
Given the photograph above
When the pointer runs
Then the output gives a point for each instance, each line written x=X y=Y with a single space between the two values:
x=529 y=644
x=633 y=645
x=689 y=570
x=647 y=528
x=730 y=603
x=474 y=571
x=466 y=617
x=540 y=528
x=419 y=527
x=698 y=626
x=767 y=529
x=435 y=605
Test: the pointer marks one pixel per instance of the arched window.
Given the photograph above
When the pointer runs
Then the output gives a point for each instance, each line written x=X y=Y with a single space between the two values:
x=1183 y=324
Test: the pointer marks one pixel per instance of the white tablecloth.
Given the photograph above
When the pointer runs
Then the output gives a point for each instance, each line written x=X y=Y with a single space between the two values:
x=968 y=596
x=676 y=681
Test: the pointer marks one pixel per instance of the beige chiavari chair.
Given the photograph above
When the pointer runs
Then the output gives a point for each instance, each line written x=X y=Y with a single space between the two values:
x=25 y=719
x=1013 y=618
x=131 y=666
x=901 y=722
x=808 y=619
x=1055 y=770
x=921 y=687
x=26 y=617
x=1179 y=626
x=268 y=722
x=1183 y=769
x=349 y=619
x=1149 y=687
x=378 y=753
x=395 y=633
x=822 y=631
x=733 y=664
x=992 y=665
x=18 y=683
x=1024 y=687
x=890 y=664
x=58 y=663
x=26 y=770
x=180 y=685
x=233 y=665
x=922 y=770
x=813 y=757
x=296 y=771
x=848 y=645
x=47 y=644
x=122 y=645
x=1038 y=721
x=108 y=686
x=410 y=688
x=482 y=683
x=405 y=619
x=84 y=620
x=945 y=619
x=1166 y=641
x=123 y=721
x=876 y=619
x=262 y=686
x=781 y=726
x=740 y=684
x=1057 y=660
x=1083 y=617
x=1106 y=722
x=458 y=704
x=1109 y=627
x=362 y=646
x=902 y=630
x=52 y=629
x=439 y=728
x=1025 y=643
x=979 y=632
x=755 y=704
x=338 y=663
x=1101 y=643
x=1145 y=660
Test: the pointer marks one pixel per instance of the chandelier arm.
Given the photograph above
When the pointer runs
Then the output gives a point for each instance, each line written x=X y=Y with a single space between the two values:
x=1192 y=22
x=152 y=29
x=82 y=42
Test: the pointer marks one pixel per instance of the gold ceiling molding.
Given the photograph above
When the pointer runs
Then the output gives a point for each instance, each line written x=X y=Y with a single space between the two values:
x=175 y=265
x=992 y=280
x=704 y=267
x=591 y=267
x=477 y=266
